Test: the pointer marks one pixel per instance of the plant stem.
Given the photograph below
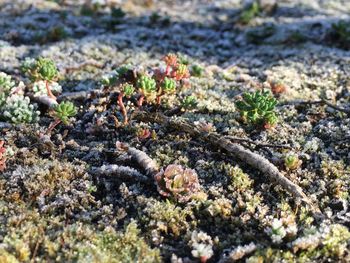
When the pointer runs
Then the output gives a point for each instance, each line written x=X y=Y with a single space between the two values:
x=167 y=70
x=140 y=101
x=52 y=126
x=49 y=92
x=122 y=107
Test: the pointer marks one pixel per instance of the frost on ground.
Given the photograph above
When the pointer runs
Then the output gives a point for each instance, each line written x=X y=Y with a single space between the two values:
x=76 y=197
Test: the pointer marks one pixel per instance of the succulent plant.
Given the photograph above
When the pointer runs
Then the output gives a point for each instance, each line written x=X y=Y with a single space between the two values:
x=40 y=69
x=18 y=109
x=177 y=182
x=181 y=72
x=170 y=60
x=202 y=246
x=197 y=70
x=128 y=90
x=64 y=111
x=6 y=84
x=46 y=68
x=258 y=108
x=168 y=85
x=341 y=33
x=147 y=86
x=249 y=13
x=189 y=102
x=292 y=162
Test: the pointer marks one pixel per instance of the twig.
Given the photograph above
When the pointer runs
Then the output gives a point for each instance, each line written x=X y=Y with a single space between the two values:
x=122 y=172
x=146 y=162
x=253 y=159
x=259 y=145
x=46 y=100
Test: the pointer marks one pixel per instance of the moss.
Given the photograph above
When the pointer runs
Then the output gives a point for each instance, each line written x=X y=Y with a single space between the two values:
x=111 y=246
x=239 y=181
x=165 y=217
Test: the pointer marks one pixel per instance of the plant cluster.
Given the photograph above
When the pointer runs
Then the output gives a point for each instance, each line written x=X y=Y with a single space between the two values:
x=62 y=113
x=14 y=106
x=6 y=84
x=292 y=162
x=111 y=246
x=151 y=86
x=166 y=217
x=202 y=246
x=41 y=69
x=178 y=183
x=258 y=108
x=341 y=34
x=251 y=11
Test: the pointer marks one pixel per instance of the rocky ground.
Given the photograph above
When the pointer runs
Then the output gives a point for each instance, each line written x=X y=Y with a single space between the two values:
x=56 y=207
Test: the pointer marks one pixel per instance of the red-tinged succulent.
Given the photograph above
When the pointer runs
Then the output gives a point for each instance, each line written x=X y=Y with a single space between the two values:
x=2 y=156
x=181 y=72
x=177 y=182
x=170 y=61
x=277 y=87
x=143 y=134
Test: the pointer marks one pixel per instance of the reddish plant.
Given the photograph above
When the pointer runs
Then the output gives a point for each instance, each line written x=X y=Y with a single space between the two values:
x=2 y=156
x=277 y=87
x=143 y=134
x=170 y=61
x=180 y=72
x=177 y=182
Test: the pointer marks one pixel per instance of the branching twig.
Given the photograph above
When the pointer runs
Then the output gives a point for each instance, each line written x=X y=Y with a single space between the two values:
x=259 y=145
x=46 y=100
x=122 y=172
x=146 y=162
x=253 y=159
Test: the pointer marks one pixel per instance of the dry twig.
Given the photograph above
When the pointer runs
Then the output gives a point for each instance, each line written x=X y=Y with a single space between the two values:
x=257 y=144
x=146 y=162
x=253 y=159
x=122 y=172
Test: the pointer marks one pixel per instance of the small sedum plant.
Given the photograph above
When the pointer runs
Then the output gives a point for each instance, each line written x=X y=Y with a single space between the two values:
x=292 y=162
x=147 y=88
x=252 y=11
x=14 y=106
x=179 y=183
x=189 y=102
x=169 y=85
x=6 y=84
x=64 y=111
x=43 y=69
x=258 y=108
x=341 y=33
x=40 y=69
x=18 y=109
